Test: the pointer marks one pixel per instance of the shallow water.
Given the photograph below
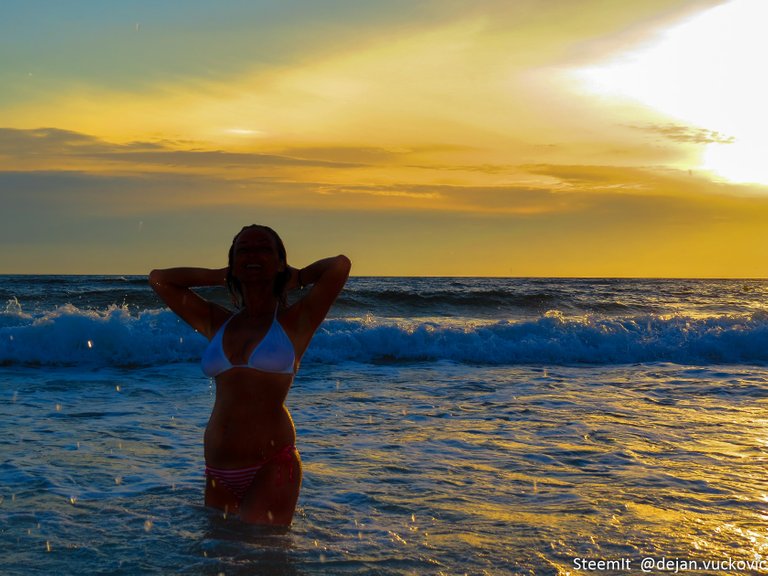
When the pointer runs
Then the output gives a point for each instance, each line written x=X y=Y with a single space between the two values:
x=410 y=468
x=447 y=426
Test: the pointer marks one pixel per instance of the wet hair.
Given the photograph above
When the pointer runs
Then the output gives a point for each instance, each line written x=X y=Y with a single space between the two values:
x=281 y=280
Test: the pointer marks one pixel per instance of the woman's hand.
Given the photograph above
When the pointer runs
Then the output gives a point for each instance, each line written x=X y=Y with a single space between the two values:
x=293 y=279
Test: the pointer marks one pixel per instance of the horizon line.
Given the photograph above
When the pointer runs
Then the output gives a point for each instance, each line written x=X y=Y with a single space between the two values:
x=438 y=276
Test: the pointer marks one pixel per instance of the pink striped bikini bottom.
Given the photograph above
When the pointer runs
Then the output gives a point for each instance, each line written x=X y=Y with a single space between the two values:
x=238 y=480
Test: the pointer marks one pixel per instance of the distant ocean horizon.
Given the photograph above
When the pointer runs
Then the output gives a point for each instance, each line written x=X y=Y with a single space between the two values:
x=447 y=425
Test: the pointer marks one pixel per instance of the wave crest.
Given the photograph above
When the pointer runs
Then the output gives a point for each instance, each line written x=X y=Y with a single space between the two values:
x=115 y=336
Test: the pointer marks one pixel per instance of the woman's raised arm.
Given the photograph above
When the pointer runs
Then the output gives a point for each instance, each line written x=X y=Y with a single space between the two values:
x=327 y=277
x=173 y=285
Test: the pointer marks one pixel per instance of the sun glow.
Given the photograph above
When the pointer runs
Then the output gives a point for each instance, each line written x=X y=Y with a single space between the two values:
x=245 y=132
x=706 y=73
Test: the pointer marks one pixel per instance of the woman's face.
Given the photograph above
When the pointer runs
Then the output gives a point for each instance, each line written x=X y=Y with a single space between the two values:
x=256 y=256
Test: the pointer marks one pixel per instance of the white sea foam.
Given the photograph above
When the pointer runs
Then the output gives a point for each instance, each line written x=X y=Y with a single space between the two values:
x=116 y=336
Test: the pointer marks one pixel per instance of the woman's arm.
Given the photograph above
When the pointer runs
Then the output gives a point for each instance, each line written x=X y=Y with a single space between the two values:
x=302 y=277
x=327 y=278
x=173 y=285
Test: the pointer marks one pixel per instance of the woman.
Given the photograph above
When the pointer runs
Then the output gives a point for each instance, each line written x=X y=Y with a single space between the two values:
x=252 y=465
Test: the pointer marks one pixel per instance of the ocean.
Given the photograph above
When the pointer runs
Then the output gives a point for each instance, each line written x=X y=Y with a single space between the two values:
x=447 y=426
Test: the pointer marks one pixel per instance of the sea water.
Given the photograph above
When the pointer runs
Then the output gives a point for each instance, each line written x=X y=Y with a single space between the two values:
x=446 y=426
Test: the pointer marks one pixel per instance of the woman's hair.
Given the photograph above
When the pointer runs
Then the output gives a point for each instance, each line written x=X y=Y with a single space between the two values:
x=233 y=284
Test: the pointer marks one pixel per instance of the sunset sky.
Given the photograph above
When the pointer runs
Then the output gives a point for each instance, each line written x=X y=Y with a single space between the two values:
x=434 y=137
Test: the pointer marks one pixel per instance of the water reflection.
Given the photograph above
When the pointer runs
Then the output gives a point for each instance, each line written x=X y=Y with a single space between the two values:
x=233 y=547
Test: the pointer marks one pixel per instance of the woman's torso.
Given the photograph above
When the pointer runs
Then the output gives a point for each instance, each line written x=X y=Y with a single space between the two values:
x=249 y=421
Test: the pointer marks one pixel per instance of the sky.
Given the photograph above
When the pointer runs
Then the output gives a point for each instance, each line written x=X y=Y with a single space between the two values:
x=420 y=138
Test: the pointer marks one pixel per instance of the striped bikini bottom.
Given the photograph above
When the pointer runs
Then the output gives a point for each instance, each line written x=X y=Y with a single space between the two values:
x=239 y=480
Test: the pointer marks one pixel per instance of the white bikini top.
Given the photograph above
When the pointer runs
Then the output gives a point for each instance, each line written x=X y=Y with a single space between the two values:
x=273 y=354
